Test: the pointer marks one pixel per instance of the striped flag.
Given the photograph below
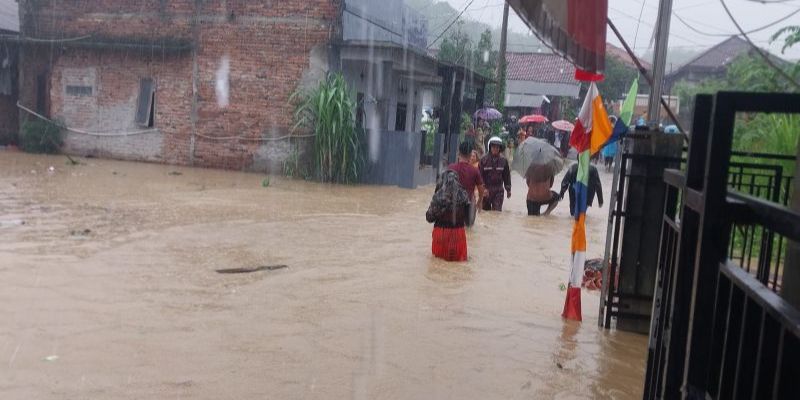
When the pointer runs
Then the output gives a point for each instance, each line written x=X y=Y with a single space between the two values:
x=625 y=113
x=592 y=130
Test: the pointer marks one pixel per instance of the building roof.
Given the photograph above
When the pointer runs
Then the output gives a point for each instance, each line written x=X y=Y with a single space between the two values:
x=624 y=57
x=719 y=56
x=539 y=67
x=9 y=16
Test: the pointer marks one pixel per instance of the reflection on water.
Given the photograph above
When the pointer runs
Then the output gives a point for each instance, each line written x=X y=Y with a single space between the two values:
x=134 y=308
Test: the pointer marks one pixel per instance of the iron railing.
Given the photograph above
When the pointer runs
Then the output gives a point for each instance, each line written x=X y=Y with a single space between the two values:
x=758 y=250
x=719 y=328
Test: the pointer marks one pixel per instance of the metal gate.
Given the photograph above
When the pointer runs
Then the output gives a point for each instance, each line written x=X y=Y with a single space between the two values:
x=719 y=330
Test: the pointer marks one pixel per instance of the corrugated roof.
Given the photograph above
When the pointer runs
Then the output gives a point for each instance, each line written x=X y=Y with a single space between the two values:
x=539 y=67
x=9 y=15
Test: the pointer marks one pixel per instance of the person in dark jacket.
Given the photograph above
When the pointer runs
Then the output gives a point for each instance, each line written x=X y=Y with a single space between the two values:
x=595 y=187
x=496 y=175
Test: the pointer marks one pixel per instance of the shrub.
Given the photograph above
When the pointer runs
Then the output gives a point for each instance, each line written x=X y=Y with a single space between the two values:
x=328 y=112
x=42 y=136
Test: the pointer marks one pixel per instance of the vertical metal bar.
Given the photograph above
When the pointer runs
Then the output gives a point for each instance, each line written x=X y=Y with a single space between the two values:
x=727 y=379
x=615 y=247
x=767 y=358
x=613 y=220
x=747 y=354
x=720 y=319
x=778 y=365
x=681 y=282
x=713 y=240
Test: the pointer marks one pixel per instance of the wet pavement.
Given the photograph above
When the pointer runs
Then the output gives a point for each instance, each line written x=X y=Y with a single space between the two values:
x=111 y=267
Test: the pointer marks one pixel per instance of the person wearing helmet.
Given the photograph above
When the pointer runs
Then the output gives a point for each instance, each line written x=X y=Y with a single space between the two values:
x=496 y=175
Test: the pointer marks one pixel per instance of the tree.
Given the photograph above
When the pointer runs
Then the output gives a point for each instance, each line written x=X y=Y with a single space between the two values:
x=618 y=77
x=457 y=48
x=768 y=133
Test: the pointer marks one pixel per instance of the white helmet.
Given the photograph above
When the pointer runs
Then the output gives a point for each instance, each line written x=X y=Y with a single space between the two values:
x=496 y=140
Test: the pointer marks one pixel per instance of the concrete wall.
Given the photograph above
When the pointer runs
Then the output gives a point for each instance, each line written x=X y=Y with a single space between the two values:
x=270 y=48
x=398 y=161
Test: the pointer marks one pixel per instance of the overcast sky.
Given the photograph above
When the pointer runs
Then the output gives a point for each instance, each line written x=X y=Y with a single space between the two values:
x=705 y=16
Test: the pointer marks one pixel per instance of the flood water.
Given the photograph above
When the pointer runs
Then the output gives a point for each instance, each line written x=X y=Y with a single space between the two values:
x=109 y=291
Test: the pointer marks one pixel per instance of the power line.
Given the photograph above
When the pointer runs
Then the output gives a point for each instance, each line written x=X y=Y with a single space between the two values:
x=451 y=23
x=639 y=23
x=770 y=25
x=647 y=23
x=758 y=50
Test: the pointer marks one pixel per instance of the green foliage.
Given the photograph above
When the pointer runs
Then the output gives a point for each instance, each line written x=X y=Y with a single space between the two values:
x=42 y=136
x=767 y=133
x=457 y=48
x=466 y=123
x=265 y=182
x=792 y=36
x=439 y=13
x=328 y=112
x=617 y=79
x=431 y=127
x=291 y=166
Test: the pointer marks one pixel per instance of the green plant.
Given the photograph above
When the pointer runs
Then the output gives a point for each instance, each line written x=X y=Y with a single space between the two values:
x=466 y=123
x=42 y=136
x=328 y=112
x=431 y=127
x=265 y=182
x=290 y=165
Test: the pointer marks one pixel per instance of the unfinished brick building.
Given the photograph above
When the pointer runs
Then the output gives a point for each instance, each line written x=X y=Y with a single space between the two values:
x=186 y=82
x=208 y=82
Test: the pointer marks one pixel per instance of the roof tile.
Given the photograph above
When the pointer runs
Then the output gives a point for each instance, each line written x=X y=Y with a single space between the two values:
x=539 y=67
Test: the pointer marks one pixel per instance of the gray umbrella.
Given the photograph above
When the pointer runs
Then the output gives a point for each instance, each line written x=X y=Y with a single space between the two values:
x=538 y=159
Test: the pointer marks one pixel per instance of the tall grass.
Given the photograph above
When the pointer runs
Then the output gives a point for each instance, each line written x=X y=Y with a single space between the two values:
x=329 y=112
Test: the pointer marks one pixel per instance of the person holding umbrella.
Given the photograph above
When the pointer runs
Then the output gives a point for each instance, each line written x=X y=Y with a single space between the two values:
x=539 y=163
x=496 y=175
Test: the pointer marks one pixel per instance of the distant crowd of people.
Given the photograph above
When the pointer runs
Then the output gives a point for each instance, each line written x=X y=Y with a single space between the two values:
x=474 y=183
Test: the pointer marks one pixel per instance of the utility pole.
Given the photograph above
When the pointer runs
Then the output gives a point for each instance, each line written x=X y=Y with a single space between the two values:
x=501 y=59
x=659 y=60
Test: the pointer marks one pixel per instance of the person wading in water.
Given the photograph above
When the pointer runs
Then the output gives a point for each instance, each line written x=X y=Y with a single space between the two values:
x=496 y=176
x=595 y=187
x=540 y=179
x=448 y=213
x=470 y=179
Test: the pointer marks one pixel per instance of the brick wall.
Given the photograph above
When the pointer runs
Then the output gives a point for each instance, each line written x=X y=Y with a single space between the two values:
x=270 y=47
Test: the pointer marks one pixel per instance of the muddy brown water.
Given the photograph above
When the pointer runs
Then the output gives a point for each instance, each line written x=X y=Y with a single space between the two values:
x=111 y=267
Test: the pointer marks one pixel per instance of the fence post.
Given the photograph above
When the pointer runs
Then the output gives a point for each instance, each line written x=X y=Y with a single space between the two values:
x=652 y=153
x=791 y=268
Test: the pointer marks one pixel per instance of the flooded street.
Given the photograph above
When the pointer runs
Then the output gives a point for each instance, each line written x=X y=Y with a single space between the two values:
x=111 y=267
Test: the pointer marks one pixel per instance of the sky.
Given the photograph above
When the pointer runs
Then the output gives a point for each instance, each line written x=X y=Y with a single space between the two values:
x=706 y=19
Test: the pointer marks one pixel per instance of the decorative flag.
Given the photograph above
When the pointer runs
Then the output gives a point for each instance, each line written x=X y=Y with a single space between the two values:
x=625 y=114
x=576 y=29
x=592 y=130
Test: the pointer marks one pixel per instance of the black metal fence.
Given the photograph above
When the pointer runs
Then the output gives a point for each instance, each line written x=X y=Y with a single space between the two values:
x=719 y=330
x=758 y=250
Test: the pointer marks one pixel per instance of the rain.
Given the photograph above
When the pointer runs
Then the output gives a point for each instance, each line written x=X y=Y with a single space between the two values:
x=227 y=199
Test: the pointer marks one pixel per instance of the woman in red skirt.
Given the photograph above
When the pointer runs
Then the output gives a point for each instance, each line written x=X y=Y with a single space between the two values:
x=447 y=212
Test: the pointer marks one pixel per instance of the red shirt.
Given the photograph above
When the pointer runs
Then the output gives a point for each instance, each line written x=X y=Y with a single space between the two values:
x=469 y=177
